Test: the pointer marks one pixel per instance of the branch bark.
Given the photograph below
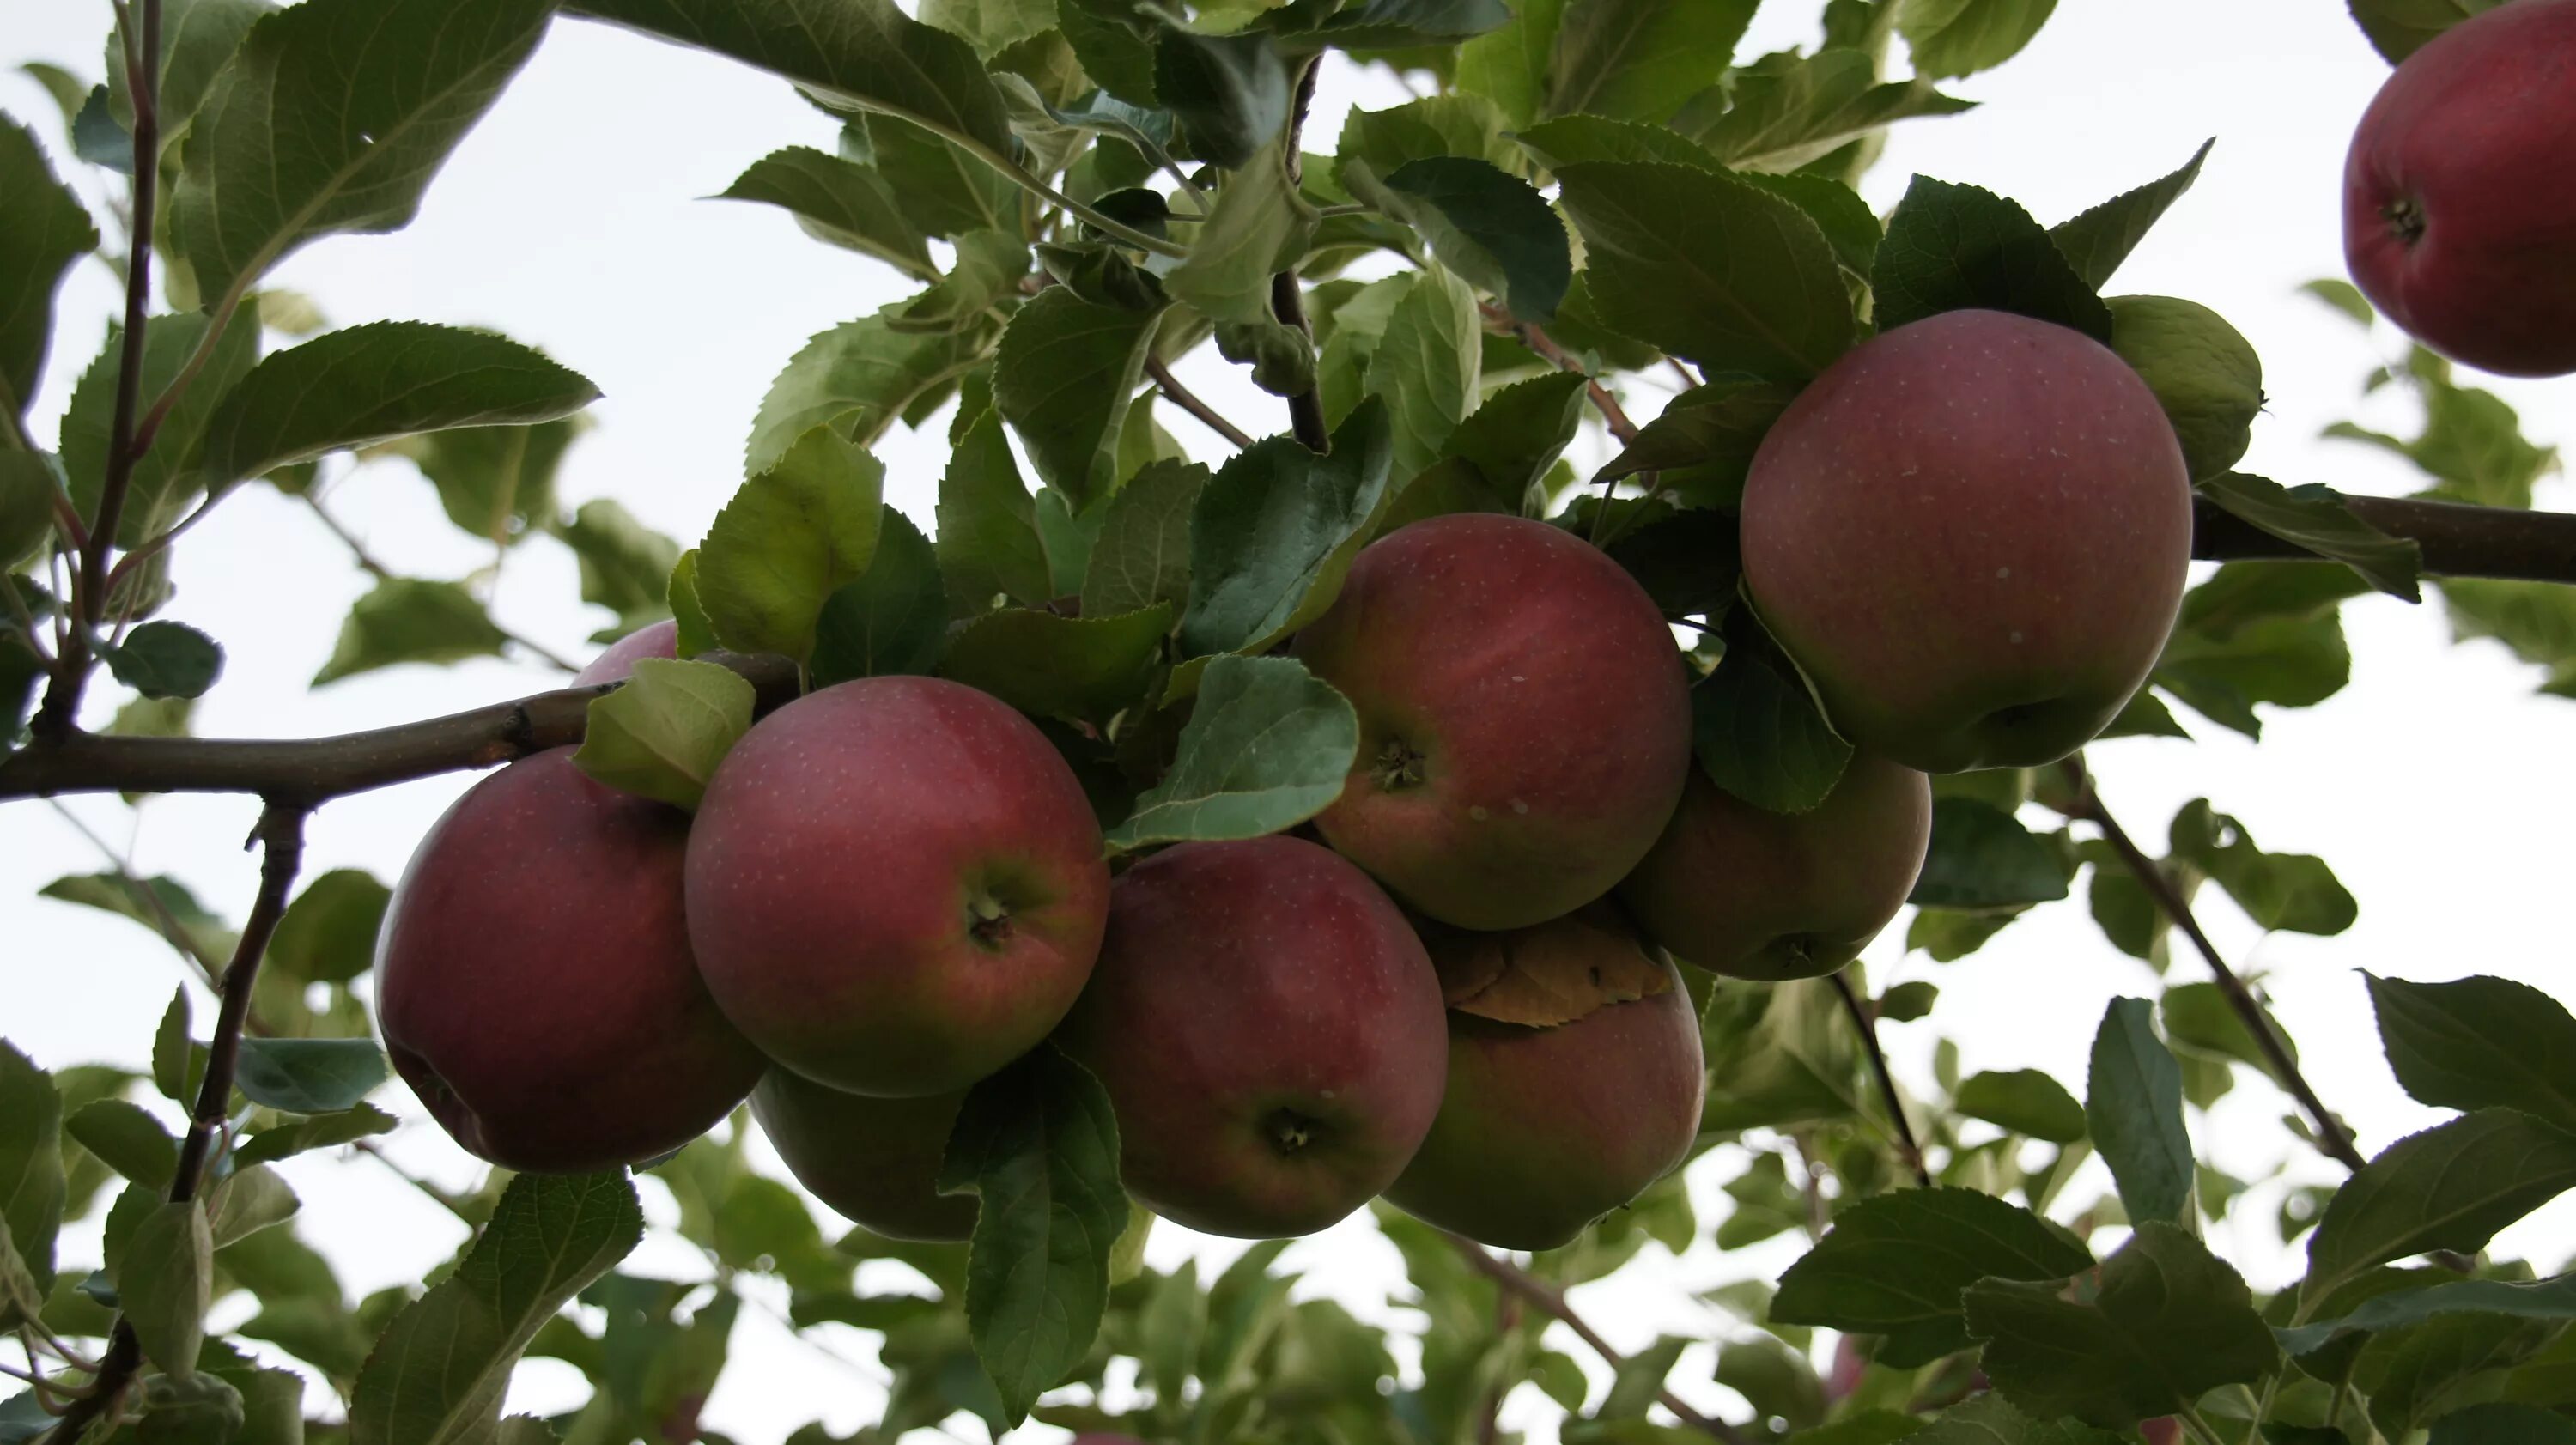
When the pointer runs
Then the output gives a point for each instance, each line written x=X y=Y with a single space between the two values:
x=1867 y=1027
x=2459 y=539
x=1287 y=296
x=1188 y=401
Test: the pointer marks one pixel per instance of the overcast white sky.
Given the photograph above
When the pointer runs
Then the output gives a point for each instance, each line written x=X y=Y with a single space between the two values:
x=2437 y=785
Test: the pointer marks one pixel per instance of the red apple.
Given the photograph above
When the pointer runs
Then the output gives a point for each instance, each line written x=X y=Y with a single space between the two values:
x=895 y=886
x=534 y=979
x=1524 y=718
x=1270 y=1031
x=2459 y=212
x=875 y=1161
x=1972 y=533
x=616 y=662
x=1750 y=893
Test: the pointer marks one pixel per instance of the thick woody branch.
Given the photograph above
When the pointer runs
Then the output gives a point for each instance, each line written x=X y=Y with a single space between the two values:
x=2459 y=539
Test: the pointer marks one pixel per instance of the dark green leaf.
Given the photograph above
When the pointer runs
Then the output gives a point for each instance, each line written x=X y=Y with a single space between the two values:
x=891 y=619
x=2480 y=1043
x=200 y=930
x=2291 y=891
x=97 y=136
x=1640 y=59
x=178 y=1063
x=2547 y=1299
x=1255 y=230
x=1952 y=246
x=987 y=543
x=1778 y=1054
x=2097 y=241
x=940 y=187
x=1083 y=669
x=1949 y=38
x=165 y=1282
x=1063 y=379
x=1489 y=227
x=2315 y=517
x=1519 y=432
x=1142 y=555
x=1990 y=1419
x=1267 y=746
x=860 y=376
x=127 y=1140
x=1230 y=92
x=47 y=230
x=2537 y=620
x=497 y=482
x=2024 y=1101
x=167 y=477
x=1981 y=857
x=988 y=266
x=2399 y=28
x=406 y=619
x=2199 y=1016
x=793 y=534
x=1786 y=111
x=1896 y=1265
x=625 y=565
x=1275 y=531
x=1702 y=443
x=309 y=1076
x=662 y=734
x=2259 y=632
x=1756 y=730
x=1390 y=24
x=2133 y=1109
x=837 y=201
x=1508 y=68
x=165 y=659
x=2450 y=1187
x=318 y=1131
x=1573 y=139
x=31 y=1161
x=2502 y=1424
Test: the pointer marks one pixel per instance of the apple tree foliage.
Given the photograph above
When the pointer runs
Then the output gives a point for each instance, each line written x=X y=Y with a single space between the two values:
x=1443 y=296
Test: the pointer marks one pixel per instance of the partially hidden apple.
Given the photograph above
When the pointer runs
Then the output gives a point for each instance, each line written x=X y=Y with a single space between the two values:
x=874 y=1161
x=1972 y=532
x=895 y=885
x=1524 y=718
x=1753 y=894
x=2459 y=217
x=1269 y=1030
x=616 y=662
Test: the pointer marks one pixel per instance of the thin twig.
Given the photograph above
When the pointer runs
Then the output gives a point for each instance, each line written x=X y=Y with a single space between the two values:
x=1551 y=1299
x=1188 y=401
x=1612 y=414
x=280 y=836
x=1287 y=295
x=165 y=922
x=368 y=564
x=1867 y=1027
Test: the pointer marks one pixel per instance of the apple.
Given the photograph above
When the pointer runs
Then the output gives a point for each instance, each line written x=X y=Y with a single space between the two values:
x=1524 y=718
x=534 y=980
x=875 y=1161
x=616 y=662
x=2458 y=218
x=895 y=885
x=1972 y=533
x=1543 y=1130
x=1750 y=893
x=1269 y=1030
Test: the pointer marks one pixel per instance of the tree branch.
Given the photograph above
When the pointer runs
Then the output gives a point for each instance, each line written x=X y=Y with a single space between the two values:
x=1287 y=298
x=2087 y=805
x=1537 y=340
x=1551 y=1300
x=1188 y=401
x=1867 y=1027
x=2459 y=539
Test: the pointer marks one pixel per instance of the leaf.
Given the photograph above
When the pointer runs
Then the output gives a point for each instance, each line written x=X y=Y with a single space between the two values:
x=127 y=1140
x=1509 y=67
x=1703 y=441
x=165 y=1282
x=1038 y=1145
x=1640 y=59
x=793 y=534
x=2545 y=1299
x=893 y=619
x=371 y=383
x=1708 y=267
x=2133 y=1109
x=625 y=565
x=988 y=266
x=165 y=659
x=2024 y=1101
x=48 y=229
x=318 y=1131
x=1990 y=1419
x=1142 y=555
x=2316 y=517
x=1897 y=1264
x=2097 y=241
x=992 y=26
x=1267 y=746
x=2502 y=1423
x=1552 y=974
x=248 y=1200
x=333 y=117
x=1063 y=379
x=2283 y=891
x=1275 y=531
x=309 y=1076
x=987 y=540
x=1757 y=733
x=662 y=734
x=2199 y=1016
x=1786 y=111
x=861 y=377
x=31 y=1161
x=2170 y=1322
x=2259 y=632
x=1396 y=24
x=1491 y=228
x=2450 y=1187
x=1981 y=857
x=497 y=482
x=2479 y=1043
x=1426 y=368
x=2399 y=28
x=1519 y=431
x=145 y=901
x=407 y=619
x=1084 y=669
x=1779 y=1054
x=2537 y=621
x=437 y=1375
x=198 y=37
x=1952 y=246
x=863 y=53
x=836 y=201
x=942 y=188
x=1230 y=92
x=165 y=478
x=1952 y=38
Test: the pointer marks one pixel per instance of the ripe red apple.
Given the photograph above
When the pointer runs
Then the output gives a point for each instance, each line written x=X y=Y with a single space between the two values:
x=876 y=1161
x=616 y=662
x=1270 y=1031
x=534 y=979
x=1750 y=893
x=1972 y=533
x=1543 y=1130
x=895 y=886
x=2459 y=219
x=1524 y=718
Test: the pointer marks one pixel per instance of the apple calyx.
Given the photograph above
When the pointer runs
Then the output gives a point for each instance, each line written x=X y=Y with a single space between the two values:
x=988 y=920
x=1398 y=767
x=1288 y=1130
x=2405 y=218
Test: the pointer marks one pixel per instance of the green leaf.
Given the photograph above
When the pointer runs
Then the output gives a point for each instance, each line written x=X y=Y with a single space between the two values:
x=1142 y=555
x=146 y=900
x=1255 y=230
x=987 y=542
x=2133 y=1109
x=2097 y=241
x=251 y=1198
x=893 y=619
x=2502 y=1423
x=2024 y=1101
x=167 y=477
x=1275 y=531
x=1084 y=669
x=793 y=534
x=1981 y=857
x=941 y=187
x=2200 y=1016
x=987 y=268
x=1896 y=1265
x=1038 y=1144
x=1427 y=368
x=2479 y=1043
x=2170 y=1322
x=2472 y=443
x=371 y=383
x=1509 y=67
x=308 y=1076
x=1517 y=434
x=2280 y=891
x=1640 y=59
x=1778 y=1054
x=48 y=229
x=437 y=1375
x=1230 y=92
x=838 y=202
x=2316 y=517
x=165 y=659
x=497 y=482
x=318 y=1131
x=991 y=26
x=2399 y=28
x=1703 y=441
x=1990 y=1419
x=332 y=117
x=2450 y=1187
x=1789 y=110
x=29 y=486
x=198 y=37
x=662 y=734
x=2537 y=620
x=863 y=53
x=860 y=376
x=2204 y=373
x=178 y=1061
x=1757 y=733
x=1267 y=746
x=407 y=619
x=1951 y=38
x=1395 y=24
x=31 y=1161
x=1491 y=228
x=2259 y=632
x=127 y=1140
x=1951 y=246
x=1063 y=379
x=2545 y=1299
x=625 y=565
x=165 y=1282
x=1708 y=267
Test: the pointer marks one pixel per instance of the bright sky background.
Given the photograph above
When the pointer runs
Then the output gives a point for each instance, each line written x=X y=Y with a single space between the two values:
x=2437 y=784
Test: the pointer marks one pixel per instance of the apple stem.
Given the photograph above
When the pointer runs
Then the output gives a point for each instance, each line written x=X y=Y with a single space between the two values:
x=1866 y=1026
